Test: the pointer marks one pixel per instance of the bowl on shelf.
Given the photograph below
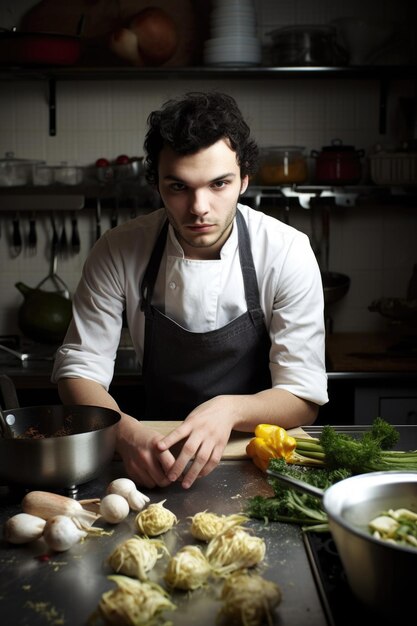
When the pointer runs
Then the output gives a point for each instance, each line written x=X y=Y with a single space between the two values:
x=363 y=38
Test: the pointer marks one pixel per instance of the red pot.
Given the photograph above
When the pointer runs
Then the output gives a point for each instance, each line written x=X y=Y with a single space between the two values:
x=20 y=48
x=338 y=164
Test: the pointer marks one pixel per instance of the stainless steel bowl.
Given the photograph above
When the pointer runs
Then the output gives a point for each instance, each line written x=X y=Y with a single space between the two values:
x=381 y=574
x=58 y=446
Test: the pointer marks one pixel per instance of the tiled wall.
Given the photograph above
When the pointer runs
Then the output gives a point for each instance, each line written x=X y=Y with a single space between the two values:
x=374 y=246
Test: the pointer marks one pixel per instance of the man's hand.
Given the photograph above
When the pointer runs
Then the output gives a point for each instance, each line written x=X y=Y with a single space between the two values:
x=144 y=463
x=206 y=432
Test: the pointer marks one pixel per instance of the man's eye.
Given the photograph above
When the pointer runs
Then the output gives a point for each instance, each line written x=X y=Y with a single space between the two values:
x=218 y=184
x=177 y=186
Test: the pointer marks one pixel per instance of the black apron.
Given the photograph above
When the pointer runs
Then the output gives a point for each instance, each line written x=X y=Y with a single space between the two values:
x=181 y=369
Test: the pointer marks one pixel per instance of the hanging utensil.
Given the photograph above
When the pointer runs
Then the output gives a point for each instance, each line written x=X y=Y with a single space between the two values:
x=55 y=238
x=53 y=277
x=75 y=236
x=63 y=241
x=114 y=217
x=32 y=234
x=16 y=236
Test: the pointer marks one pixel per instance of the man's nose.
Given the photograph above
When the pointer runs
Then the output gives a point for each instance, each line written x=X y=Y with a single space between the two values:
x=198 y=202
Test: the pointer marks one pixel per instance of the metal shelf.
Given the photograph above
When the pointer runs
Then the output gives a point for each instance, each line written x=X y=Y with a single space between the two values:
x=383 y=74
x=78 y=197
x=377 y=72
x=307 y=196
x=51 y=202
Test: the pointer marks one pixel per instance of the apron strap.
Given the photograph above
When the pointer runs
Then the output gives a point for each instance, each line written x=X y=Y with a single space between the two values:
x=246 y=262
x=151 y=272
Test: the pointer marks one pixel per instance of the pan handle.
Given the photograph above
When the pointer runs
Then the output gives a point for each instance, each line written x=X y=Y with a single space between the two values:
x=299 y=485
x=8 y=392
x=6 y=424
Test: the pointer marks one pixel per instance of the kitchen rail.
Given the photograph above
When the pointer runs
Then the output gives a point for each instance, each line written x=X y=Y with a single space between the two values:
x=78 y=197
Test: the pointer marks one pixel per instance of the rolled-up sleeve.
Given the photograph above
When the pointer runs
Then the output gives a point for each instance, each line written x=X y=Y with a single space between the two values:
x=71 y=362
x=90 y=345
x=297 y=357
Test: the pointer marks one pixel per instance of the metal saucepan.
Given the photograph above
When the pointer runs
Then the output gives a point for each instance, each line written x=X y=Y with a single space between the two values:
x=381 y=574
x=56 y=446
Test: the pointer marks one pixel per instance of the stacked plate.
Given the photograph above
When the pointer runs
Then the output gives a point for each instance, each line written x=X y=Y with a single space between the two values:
x=233 y=41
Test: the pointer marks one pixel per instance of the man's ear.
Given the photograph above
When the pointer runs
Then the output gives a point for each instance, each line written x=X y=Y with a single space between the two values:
x=244 y=184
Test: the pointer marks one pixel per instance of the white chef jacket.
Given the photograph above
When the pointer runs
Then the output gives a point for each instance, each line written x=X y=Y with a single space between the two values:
x=200 y=295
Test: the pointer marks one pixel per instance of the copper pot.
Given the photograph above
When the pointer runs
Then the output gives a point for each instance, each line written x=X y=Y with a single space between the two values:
x=338 y=164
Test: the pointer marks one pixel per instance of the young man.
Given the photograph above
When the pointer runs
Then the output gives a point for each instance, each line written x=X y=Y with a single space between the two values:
x=224 y=304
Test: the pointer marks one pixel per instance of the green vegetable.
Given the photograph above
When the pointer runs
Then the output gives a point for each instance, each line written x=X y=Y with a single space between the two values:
x=335 y=456
x=290 y=506
x=369 y=453
x=398 y=526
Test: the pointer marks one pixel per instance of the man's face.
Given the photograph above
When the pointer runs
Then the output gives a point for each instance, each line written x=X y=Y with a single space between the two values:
x=200 y=193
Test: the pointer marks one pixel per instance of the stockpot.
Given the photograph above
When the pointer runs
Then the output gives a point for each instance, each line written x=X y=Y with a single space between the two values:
x=380 y=574
x=56 y=447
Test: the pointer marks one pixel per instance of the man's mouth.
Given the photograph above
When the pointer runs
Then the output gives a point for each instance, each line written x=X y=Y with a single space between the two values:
x=200 y=228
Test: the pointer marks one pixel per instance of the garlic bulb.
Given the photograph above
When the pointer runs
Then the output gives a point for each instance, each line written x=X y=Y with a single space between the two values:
x=23 y=528
x=126 y=487
x=61 y=533
x=46 y=505
x=137 y=500
x=114 y=508
x=121 y=486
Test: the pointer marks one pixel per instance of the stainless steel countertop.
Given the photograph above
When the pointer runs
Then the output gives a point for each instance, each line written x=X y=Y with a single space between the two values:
x=71 y=583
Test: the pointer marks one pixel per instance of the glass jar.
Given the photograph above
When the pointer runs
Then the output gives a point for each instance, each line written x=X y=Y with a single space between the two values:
x=16 y=172
x=282 y=165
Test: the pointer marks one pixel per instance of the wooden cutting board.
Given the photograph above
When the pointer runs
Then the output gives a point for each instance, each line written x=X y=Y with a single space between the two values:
x=235 y=449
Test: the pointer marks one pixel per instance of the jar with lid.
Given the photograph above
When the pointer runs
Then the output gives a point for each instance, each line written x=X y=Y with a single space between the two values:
x=282 y=165
x=16 y=172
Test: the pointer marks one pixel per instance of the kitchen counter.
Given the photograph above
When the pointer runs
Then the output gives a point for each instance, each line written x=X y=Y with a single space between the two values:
x=44 y=589
x=65 y=588
x=348 y=354
x=367 y=353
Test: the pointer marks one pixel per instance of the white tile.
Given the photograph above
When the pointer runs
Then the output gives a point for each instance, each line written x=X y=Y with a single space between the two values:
x=104 y=118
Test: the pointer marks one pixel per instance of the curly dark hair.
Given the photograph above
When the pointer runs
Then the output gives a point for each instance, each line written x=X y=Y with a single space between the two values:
x=196 y=121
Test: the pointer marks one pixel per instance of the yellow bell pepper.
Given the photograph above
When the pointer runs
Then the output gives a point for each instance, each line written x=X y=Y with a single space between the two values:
x=270 y=442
